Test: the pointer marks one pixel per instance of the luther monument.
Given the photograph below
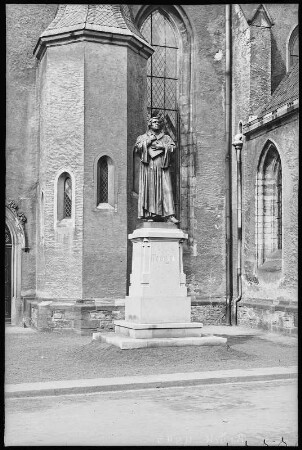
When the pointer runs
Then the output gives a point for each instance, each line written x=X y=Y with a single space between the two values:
x=158 y=308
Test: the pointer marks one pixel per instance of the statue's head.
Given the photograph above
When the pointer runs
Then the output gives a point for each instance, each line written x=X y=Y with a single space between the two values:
x=156 y=122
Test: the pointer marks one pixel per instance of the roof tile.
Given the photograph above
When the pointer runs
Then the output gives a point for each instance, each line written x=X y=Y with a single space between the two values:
x=287 y=91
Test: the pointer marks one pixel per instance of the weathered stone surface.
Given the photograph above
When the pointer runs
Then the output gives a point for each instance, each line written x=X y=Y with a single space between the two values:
x=211 y=314
x=279 y=318
x=157 y=292
x=127 y=343
x=151 y=330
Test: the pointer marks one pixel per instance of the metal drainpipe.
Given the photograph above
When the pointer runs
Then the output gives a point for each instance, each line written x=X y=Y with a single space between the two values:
x=228 y=163
x=238 y=147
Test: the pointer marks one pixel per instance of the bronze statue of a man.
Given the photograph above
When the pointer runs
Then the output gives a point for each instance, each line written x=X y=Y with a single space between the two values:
x=155 y=199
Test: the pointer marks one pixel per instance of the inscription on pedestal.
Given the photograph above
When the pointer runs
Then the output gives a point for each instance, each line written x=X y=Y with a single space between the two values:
x=162 y=258
x=157 y=291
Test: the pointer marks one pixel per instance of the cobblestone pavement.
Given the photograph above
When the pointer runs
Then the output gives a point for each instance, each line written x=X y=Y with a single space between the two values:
x=198 y=415
x=32 y=356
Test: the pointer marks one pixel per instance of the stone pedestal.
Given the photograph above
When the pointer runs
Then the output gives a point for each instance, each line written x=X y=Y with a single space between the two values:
x=157 y=292
x=158 y=309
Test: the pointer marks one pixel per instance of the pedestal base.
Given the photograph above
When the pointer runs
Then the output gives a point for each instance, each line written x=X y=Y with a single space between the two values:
x=157 y=330
x=138 y=335
x=158 y=309
x=127 y=343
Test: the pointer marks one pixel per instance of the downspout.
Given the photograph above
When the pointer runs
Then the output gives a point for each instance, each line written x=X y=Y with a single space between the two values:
x=228 y=163
x=238 y=147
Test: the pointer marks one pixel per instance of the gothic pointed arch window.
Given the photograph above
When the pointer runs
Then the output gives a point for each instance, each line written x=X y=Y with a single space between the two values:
x=269 y=208
x=162 y=70
x=168 y=29
x=293 y=48
x=163 y=79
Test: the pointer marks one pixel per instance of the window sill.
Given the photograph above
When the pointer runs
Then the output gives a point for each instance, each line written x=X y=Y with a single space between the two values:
x=105 y=206
x=67 y=222
x=273 y=262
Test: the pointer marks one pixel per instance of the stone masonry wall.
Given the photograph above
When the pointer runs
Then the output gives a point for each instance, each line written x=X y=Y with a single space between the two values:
x=204 y=259
x=205 y=255
x=274 y=318
x=260 y=67
x=285 y=137
x=136 y=125
x=203 y=153
x=81 y=318
x=62 y=149
x=24 y=24
x=208 y=314
x=86 y=318
x=105 y=230
x=285 y=18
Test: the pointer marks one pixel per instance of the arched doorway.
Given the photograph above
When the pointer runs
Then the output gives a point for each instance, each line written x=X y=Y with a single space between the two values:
x=8 y=275
x=15 y=242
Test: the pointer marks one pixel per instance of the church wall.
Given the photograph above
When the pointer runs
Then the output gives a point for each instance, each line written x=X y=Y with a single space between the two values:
x=204 y=263
x=136 y=125
x=260 y=67
x=241 y=55
x=62 y=149
x=265 y=304
x=285 y=137
x=24 y=24
x=106 y=258
x=285 y=18
x=241 y=77
x=202 y=157
x=105 y=230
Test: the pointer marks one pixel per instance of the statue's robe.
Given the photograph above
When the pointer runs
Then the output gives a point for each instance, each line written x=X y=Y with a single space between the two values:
x=155 y=188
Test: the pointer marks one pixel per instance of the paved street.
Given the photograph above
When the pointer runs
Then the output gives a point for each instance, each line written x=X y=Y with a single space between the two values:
x=202 y=415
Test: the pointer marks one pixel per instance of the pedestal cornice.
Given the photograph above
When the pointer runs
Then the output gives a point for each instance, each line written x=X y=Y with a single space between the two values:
x=158 y=233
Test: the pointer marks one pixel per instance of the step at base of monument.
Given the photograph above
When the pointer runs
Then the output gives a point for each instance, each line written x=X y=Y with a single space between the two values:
x=127 y=343
x=158 y=330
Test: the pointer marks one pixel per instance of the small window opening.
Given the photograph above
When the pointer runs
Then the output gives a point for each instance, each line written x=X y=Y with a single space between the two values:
x=64 y=197
x=105 y=183
x=67 y=197
x=103 y=180
x=293 y=48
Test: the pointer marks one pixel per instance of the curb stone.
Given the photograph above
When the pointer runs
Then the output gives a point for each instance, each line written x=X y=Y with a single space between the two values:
x=152 y=381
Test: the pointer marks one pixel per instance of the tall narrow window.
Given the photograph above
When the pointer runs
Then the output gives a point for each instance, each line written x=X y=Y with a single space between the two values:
x=293 y=48
x=162 y=68
x=103 y=180
x=162 y=79
x=64 y=197
x=105 y=183
x=269 y=206
x=67 y=197
x=42 y=216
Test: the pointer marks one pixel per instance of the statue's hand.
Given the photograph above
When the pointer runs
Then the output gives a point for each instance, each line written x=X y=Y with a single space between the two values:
x=151 y=139
x=159 y=146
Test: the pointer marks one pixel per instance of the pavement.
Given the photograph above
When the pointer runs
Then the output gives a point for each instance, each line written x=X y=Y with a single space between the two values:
x=256 y=413
x=80 y=386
